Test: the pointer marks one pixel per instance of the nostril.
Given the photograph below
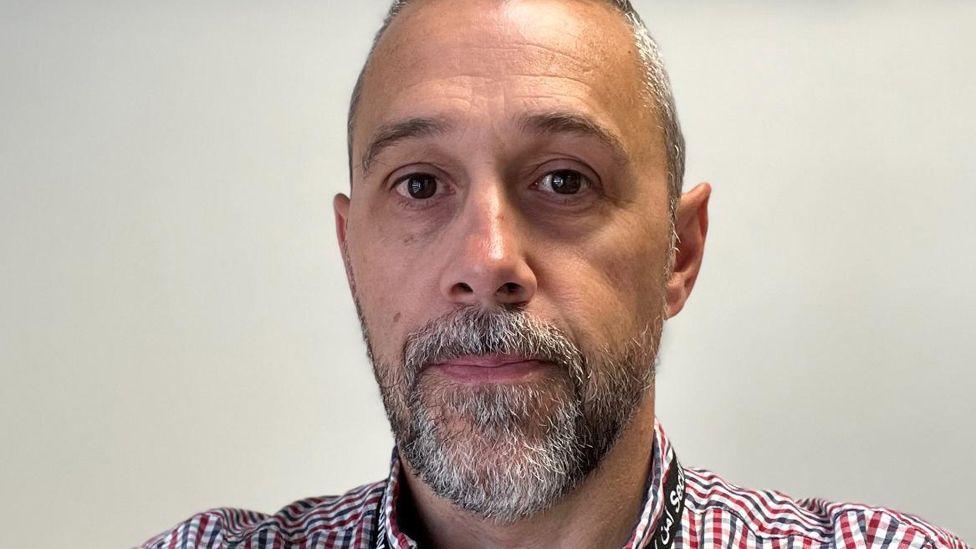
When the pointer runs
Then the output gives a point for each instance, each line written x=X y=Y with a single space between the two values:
x=510 y=287
x=463 y=286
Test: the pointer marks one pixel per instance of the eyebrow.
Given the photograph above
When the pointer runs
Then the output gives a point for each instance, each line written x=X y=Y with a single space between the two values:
x=555 y=122
x=390 y=134
x=558 y=122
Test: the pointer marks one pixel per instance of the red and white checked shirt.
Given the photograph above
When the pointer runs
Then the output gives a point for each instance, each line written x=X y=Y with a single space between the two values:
x=716 y=514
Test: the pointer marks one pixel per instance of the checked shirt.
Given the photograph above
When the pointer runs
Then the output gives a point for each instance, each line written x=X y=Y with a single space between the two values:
x=716 y=514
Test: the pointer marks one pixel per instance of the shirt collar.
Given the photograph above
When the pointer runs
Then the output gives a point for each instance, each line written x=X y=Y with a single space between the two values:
x=390 y=536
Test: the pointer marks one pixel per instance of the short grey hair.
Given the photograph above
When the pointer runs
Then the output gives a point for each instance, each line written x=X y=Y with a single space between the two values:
x=656 y=85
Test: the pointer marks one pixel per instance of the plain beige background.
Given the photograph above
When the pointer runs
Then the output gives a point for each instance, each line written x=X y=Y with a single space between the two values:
x=176 y=331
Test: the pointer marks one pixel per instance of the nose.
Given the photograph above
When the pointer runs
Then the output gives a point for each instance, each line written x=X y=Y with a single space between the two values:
x=487 y=263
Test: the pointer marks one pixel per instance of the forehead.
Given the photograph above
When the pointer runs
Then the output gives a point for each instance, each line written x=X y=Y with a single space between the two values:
x=486 y=61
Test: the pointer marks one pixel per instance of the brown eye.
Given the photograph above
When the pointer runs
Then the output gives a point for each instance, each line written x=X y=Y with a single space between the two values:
x=564 y=181
x=418 y=186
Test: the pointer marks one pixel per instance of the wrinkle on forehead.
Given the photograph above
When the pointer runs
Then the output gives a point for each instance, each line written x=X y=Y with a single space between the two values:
x=518 y=53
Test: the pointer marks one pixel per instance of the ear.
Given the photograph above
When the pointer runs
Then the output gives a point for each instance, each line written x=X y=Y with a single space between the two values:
x=340 y=207
x=691 y=226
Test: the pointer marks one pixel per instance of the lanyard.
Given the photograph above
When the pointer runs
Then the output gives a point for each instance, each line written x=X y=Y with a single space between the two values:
x=674 y=504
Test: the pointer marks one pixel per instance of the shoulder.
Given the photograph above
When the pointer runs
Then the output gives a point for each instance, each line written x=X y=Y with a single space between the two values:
x=325 y=521
x=769 y=517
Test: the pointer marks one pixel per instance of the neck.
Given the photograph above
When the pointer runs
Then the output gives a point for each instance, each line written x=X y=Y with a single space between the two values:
x=603 y=508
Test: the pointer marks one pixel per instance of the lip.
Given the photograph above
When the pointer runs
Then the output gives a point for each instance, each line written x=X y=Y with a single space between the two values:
x=491 y=368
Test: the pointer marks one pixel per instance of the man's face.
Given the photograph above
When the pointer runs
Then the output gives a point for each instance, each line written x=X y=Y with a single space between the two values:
x=507 y=238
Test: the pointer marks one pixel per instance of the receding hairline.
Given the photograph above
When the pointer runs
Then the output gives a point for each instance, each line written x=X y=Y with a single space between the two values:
x=654 y=87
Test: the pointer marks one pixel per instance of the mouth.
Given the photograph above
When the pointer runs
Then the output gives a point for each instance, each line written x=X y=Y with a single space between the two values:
x=492 y=368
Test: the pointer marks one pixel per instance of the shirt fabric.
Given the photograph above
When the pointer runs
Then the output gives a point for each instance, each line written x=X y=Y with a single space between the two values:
x=716 y=514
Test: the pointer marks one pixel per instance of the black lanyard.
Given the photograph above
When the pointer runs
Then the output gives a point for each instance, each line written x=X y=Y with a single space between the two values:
x=674 y=504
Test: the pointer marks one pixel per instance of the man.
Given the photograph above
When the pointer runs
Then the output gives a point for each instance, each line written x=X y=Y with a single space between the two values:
x=515 y=238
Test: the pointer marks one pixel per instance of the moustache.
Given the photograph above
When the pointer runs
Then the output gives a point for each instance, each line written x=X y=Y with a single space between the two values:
x=477 y=331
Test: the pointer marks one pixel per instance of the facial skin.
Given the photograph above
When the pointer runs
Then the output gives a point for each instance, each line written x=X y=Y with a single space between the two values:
x=516 y=170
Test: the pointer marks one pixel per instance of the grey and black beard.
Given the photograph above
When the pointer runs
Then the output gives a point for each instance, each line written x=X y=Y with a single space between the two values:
x=506 y=451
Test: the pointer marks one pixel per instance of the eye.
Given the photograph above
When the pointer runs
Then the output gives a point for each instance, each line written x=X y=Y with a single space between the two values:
x=564 y=181
x=418 y=186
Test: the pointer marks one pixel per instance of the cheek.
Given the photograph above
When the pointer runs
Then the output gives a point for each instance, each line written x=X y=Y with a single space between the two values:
x=635 y=271
x=611 y=285
x=391 y=288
